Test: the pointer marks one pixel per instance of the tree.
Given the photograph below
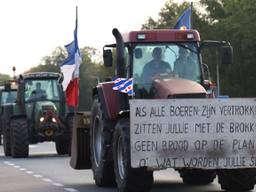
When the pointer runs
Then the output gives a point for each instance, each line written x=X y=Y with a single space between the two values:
x=230 y=20
x=3 y=78
x=91 y=71
x=50 y=63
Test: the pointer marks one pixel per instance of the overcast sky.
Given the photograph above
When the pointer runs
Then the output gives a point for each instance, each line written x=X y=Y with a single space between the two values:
x=32 y=29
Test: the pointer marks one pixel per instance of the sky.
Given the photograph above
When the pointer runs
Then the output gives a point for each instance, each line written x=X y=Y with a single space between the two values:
x=32 y=29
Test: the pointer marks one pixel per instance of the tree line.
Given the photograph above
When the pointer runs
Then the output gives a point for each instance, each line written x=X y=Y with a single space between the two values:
x=229 y=20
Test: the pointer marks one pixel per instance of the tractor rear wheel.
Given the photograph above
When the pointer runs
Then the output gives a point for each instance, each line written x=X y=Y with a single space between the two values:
x=19 y=138
x=197 y=177
x=237 y=180
x=127 y=178
x=100 y=142
x=7 y=140
x=1 y=138
x=62 y=146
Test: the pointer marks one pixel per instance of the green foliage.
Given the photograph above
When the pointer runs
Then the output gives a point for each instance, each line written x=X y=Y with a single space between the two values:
x=3 y=78
x=91 y=71
x=230 y=20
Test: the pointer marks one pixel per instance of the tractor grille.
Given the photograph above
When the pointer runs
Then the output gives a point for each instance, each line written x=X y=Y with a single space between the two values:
x=47 y=107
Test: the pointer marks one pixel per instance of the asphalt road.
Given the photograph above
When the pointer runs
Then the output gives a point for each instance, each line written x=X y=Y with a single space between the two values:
x=45 y=171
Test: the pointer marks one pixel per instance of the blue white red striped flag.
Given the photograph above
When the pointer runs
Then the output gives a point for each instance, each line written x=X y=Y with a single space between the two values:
x=70 y=71
x=124 y=85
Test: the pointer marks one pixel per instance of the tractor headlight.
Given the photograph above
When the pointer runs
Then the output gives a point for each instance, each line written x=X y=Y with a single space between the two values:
x=54 y=120
x=41 y=119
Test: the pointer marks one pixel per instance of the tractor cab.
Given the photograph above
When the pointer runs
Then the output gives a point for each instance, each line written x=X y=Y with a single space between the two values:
x=9 y=92
x=8 y=97
x=163 y=63
x=41 y=88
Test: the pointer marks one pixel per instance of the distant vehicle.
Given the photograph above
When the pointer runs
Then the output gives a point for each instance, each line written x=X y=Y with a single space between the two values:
x=8 y=94
x=39 y=114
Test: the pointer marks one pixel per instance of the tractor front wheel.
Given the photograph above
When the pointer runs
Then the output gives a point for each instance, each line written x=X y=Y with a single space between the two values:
x=127 y=178
x=197 y=177
x=19 y=138
x=237 y=179
x=7 y=140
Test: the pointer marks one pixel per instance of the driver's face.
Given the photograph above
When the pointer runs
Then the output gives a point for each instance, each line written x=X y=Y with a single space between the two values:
x=38 y=86
x=157 y=55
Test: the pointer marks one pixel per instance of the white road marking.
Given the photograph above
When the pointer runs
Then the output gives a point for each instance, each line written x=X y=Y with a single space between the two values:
x=32 y=146
x=38 y=176
x=47 y=180
x=70 y=190
x=29 y=172
x=58 y=184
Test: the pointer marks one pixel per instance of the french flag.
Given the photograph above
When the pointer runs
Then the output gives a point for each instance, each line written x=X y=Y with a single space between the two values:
x=70 y=71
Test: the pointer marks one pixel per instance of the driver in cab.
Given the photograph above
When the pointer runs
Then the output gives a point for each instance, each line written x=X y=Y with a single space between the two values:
x=38 y=92
x=156 y=66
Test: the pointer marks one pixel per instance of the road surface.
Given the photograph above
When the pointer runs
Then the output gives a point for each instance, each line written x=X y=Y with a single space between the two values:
x=45 y=171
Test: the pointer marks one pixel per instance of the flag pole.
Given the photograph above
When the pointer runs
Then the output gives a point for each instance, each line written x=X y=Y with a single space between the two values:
x=191 y=7
x=78 y=91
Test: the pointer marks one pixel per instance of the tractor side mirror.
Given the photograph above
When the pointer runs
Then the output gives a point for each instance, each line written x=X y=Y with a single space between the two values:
x=138 y=53
x=206 y=70
x=7 y=86
x=61 y=78
x=107 y=57
x=226 y=55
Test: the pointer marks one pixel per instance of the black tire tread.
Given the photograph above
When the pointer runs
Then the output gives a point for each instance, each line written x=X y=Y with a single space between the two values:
x=7 y=140
x=237 y=179
x=135 y=179
x=103 y=173
x=62 y=146
x=197 y=177
x=19 y=138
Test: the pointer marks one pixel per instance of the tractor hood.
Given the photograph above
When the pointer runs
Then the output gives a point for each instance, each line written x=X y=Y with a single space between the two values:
x=40 y=107
x=178 y=88
x=44 y=106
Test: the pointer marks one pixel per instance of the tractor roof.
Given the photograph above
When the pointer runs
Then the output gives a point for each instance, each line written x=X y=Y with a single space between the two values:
x=161 y=35
x=41 y=75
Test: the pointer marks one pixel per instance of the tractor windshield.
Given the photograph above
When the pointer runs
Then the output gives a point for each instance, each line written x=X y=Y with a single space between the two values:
x=165 y=61
x=8 y=97
x=41 y=90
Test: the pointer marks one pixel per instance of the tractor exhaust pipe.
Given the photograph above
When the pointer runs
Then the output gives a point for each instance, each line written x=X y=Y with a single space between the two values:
x=120 y=67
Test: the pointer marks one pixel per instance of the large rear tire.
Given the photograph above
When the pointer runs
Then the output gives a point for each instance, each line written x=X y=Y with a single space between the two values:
x=7 y=140
x=237 y=179
x=100 y=142
x=128 y=179
x=62 y=146
x=197 y=177
x=19 y=138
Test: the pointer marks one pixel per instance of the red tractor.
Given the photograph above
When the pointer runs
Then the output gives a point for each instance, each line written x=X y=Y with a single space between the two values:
x=164 y=64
